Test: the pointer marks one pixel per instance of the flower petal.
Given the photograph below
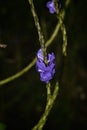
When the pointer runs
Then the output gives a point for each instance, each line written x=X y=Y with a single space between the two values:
x=46 y=76
x=51 y=7
x=40 y=66
x=40 y=55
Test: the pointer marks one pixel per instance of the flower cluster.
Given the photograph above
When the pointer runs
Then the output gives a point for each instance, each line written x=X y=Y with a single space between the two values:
x=50 y=5
x=46 y=71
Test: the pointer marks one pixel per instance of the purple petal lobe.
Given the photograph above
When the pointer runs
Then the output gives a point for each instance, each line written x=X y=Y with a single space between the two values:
x=51 y=7
x=39 y=55
x=45 y=77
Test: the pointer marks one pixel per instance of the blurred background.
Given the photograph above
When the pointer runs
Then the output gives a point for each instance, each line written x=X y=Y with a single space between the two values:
x=23 y=100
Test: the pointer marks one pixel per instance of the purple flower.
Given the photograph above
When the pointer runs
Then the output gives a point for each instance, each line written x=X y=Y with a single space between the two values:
x=50 y=5
x=46 y=71
x=39 y=55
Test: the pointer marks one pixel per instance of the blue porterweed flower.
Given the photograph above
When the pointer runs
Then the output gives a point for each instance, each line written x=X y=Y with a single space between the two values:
x=50 y=5
x=46 y=71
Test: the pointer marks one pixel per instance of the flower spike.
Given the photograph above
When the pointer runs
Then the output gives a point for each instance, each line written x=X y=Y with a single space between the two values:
x=46 y=71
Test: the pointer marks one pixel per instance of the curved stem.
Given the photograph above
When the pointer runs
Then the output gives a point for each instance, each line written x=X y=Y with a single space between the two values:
x=20 y=73
x=48 y=108
x=40 y=34
x=63 y=28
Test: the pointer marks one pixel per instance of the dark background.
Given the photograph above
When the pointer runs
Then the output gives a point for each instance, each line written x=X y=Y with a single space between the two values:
x=22 y=101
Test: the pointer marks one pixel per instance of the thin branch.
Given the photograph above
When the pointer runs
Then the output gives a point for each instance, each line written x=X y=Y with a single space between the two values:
x=20 y=73
x=48 y=108
x=40 y=34
x=48 y=87
x=63 y=28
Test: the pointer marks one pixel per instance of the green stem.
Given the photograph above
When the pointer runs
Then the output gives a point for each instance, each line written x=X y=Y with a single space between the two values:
x=48 y=108
x=36 y=20
x=17 y=75
x=48 y=87
x=63 y=28
x=40 y=34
